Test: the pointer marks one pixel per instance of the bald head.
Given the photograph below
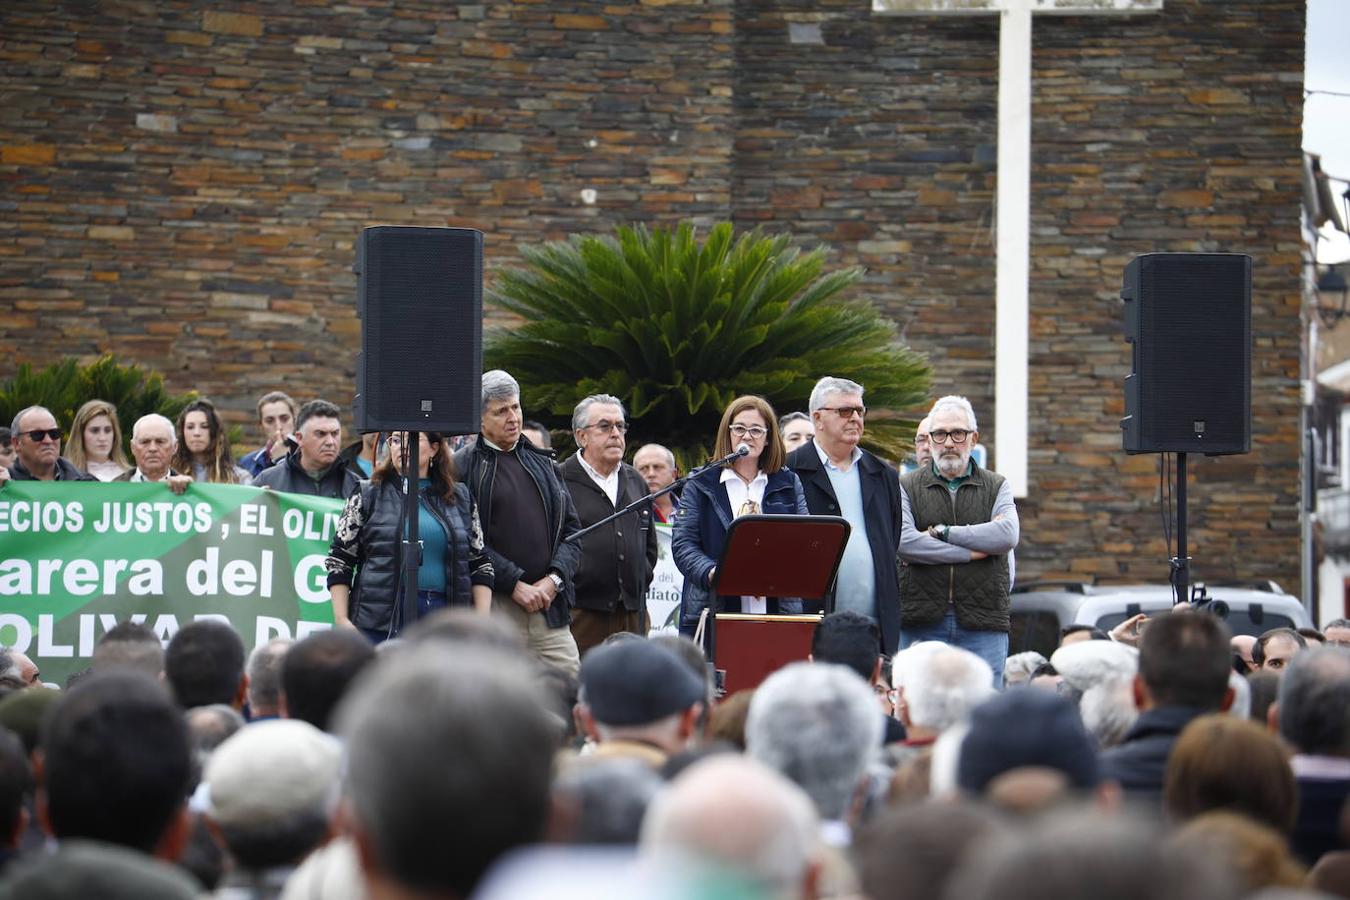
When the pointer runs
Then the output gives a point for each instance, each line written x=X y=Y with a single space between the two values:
x=775 y=843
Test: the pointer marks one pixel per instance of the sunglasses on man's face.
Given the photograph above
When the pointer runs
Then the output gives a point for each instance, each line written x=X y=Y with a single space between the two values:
x=37 y=434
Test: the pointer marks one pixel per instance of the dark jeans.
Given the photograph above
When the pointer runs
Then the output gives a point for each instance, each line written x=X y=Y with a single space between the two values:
x=427 y=603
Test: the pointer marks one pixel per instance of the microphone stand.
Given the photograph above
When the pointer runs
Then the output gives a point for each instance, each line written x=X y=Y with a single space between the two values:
x=740 y=451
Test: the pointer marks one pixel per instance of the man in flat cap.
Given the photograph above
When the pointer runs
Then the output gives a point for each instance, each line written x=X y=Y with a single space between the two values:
x=273 y=789
x=640 y=700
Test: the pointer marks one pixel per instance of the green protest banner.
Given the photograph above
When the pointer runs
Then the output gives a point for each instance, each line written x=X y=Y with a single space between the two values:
x=77 y=558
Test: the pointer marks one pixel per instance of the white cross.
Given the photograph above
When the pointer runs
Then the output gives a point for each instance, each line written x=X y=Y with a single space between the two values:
x=1012 y=319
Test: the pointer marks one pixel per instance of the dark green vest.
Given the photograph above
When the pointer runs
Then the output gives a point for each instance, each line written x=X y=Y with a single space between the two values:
x=978 y=589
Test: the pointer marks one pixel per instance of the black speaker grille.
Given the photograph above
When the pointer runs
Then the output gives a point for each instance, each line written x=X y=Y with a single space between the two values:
x=1189 y=316
x=421 y=306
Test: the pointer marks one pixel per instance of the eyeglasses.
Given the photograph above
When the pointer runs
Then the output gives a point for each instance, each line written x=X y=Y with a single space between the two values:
x=754 y=431
x=605 y=426
x=848 y=412
x=37 y=434
x=957 y=437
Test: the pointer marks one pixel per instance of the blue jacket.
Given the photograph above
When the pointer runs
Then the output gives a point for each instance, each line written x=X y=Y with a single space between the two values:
x=701 y=524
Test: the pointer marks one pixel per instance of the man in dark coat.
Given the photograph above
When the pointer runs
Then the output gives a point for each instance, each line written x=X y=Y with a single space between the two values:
x=618 y=559
x=842 y=479
x=313 y=467
x=37 y=442
x=526 y=514
x=1184 y=661
x=1313 y=709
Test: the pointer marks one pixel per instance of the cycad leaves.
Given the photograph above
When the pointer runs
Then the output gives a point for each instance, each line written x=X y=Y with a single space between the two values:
x=677 y=328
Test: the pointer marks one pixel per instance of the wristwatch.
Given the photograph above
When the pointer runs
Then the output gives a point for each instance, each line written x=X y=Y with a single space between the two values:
x=557 y=581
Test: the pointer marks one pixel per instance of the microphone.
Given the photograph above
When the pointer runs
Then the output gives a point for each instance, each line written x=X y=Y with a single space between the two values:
x=742 y=449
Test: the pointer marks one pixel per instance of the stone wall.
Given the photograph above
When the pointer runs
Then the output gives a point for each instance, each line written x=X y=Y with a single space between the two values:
x=183 y=185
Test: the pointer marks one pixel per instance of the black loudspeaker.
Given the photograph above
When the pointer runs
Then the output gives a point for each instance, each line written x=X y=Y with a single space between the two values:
x=420 y=300
x=1189 y=318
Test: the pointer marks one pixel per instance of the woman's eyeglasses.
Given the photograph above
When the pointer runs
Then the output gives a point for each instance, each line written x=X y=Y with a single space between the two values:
x=752 y=431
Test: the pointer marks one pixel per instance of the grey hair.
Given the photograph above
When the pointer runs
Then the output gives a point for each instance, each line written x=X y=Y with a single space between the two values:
x=611 y=796
x=942 y=683
x=1108 y=710
x=818 y=724
x=777 y=830
x=1017 y=668
x=670 y=456
x=18 y=417
x=398 y=720
x=264 y=675
x=499 y=385
x=953 y=401
x=154 y=417
x=1314 y=698
x=831 y=385
x=579 y=414
x=1241 y=707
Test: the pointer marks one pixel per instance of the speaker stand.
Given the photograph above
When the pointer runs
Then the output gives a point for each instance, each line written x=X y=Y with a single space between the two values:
x=1181 y=563
x=412 y=546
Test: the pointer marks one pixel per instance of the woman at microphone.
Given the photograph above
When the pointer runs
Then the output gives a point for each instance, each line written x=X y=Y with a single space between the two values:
x=757 y=481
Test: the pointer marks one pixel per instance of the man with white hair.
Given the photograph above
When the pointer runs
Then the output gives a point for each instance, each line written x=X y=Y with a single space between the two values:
x=959 y=525
x=152 y=444
x=937 y=686
x=842 y=479
x=817 y=724
x=774 y=845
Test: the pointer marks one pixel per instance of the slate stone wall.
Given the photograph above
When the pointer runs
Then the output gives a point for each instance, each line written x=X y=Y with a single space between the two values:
x=182 y=184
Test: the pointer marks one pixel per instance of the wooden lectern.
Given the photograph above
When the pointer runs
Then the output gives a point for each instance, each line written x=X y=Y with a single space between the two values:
x=771 y=556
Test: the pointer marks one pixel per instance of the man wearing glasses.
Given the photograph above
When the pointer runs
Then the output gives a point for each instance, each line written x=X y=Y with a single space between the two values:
x=617 y=560
x=37 y=439
x=958 y=526
x=842 y=479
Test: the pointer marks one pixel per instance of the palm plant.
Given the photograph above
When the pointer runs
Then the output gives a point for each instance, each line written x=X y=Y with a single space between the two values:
x=64 y=386
x=677 y=329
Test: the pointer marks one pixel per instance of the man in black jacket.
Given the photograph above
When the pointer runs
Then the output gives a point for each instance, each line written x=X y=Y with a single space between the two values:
x=1184 y=661
x=313 y=467
x=526 y=514
x=617 y=560
x=37 y=439
x=842 y=479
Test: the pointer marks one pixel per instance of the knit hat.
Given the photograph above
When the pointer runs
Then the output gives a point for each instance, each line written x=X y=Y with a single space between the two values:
x=1026 y=727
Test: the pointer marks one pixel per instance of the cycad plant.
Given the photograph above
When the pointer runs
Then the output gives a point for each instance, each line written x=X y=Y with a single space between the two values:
x=63 y=387
x=677 y=328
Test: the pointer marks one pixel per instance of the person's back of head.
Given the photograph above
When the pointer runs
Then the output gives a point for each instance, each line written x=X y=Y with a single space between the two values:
x=637 y=690
x=264 y=677
x=453 y=623
x=1184 y=660
x=317 y=672
x=912 y=852
x=16 y=783
x=208 y=728
x=116 y=763
x=1222 y=762
x=273 y=790
x=1083 y=855
x=942 y=685
x=1026 y=728
x=818 y=725
x=607 y=799
x=1314 y=701
x=205 y=664
x=1251 y=851
x=425 y=824
x=774 y=848
x=850 y=639
x=132 y=646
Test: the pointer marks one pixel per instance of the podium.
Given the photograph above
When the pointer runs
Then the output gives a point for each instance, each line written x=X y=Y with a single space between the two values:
x=771 y=556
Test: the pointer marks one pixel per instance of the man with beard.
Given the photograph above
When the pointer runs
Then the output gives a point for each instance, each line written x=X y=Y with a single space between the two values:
x=959 y=525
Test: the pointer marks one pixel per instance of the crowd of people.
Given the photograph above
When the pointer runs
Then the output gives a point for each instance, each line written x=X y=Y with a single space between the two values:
x=513 y=727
